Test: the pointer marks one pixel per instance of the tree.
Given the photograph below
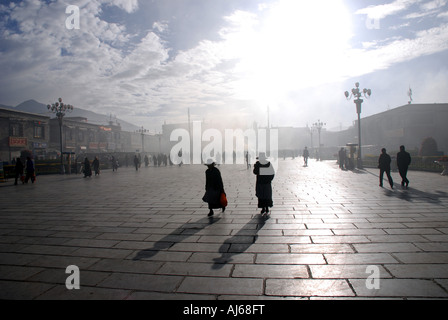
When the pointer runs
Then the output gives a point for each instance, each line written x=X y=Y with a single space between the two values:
x=428 y=147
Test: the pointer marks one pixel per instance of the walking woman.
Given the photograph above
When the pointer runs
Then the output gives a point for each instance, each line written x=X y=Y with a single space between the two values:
x=214 y=187
x=264 y=171
x=30 y=171
x=18 y=171
x=87 y=168
x=96 y=166
x=384 y=166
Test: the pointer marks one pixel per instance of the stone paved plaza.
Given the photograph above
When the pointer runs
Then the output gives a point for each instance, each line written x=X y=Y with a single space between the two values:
x=146 y=235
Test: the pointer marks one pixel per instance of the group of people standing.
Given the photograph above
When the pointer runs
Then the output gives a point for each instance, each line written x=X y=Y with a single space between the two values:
x=403 y=162
x=214 y=186
x=24 y=172
x=87 y=168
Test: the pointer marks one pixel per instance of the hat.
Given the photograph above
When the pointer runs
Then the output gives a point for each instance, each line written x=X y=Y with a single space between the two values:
x=210 y=162
x=262 y=157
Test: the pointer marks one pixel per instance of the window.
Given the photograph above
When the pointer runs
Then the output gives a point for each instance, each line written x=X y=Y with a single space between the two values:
x=15 y=129
x=80 y=135
x=39 y=132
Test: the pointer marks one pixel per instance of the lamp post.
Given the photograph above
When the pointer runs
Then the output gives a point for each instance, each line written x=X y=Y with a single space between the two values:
x=59 y=108
x=318 y=125
x=357 y=93
x=310 y=131
x=142 y=131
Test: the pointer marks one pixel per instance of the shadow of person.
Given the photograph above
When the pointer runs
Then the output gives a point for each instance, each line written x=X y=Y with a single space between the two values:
x=412 y=195
x=240 y=242
x=183 y=232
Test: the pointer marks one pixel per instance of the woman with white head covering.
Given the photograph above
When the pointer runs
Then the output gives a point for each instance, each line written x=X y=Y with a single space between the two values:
x=264 y=171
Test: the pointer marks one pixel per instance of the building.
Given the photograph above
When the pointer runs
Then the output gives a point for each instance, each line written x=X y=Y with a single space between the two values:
x=406 y=125
x=23 y=131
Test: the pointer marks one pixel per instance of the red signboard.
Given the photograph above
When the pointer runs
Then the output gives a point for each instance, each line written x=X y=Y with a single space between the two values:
x=18 y=142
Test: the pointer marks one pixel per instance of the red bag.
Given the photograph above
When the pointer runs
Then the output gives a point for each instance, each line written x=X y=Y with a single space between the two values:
x=223 y=200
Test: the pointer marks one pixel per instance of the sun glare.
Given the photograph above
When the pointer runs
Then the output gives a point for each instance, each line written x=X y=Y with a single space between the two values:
x=297 y=44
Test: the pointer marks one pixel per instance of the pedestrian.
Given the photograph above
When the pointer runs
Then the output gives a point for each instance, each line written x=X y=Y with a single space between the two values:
x=247 y=160
x=342 y=156
x=96 y=166
x=384 y=166
x=403 y=162
x=136 y=162
x=18 y=171
x=114 y=163
x=214 y=187
x=146 y=160
x=264 y=171
x=87 y=168
x=305 y=155
x=30 y=171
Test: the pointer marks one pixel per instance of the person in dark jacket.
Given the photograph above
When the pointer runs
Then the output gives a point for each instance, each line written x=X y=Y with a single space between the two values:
x=18 y=170
x=96 y=166
x=214 y=187
x=87 y=168
x=384 y=166
x=30 y=172
x=403 y=162
x=305 y=155
x=264 y=171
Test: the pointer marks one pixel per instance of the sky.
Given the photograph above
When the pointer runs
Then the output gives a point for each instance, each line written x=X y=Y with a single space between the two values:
x=227 y=61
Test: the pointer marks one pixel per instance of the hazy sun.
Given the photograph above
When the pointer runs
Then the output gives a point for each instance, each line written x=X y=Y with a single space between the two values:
x=293 y=44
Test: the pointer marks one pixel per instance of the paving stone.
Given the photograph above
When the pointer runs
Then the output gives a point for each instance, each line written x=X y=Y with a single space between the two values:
x=308 y=288
x=399 y=288
x=238 y=286
x=359 y=258
x=270 y=271
x=142 y=282
x=344 y=271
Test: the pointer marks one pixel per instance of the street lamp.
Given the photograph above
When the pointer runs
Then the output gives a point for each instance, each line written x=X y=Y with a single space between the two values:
x=357 y=93
x=59 y=108
x=318 y=125
x=310 y=131
x=142 y=131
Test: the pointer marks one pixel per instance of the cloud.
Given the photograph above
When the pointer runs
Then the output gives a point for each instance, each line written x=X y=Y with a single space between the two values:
x=280 y=55
x=384 y=10
x=127 y=5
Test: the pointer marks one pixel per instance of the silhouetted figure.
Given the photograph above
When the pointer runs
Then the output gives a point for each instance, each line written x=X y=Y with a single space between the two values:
x=213 y=187
x=403 y=162
x=30 y=171
x=384 y=166
x=96 y=166
x=114 y=164
x=18 y=171
x=146 y=160
x=305 y=155
x=264 y=171
x=342 y=156
x=136 y=162
x=248 y=160
x=87 y=168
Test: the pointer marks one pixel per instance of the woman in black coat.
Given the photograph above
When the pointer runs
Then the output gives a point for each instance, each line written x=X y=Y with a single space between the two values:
x=18 y=170
x=87 y=168
x=263 y=188
x=214 y=187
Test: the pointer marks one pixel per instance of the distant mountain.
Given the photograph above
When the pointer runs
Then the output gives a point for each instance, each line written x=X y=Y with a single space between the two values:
x=34 y=106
